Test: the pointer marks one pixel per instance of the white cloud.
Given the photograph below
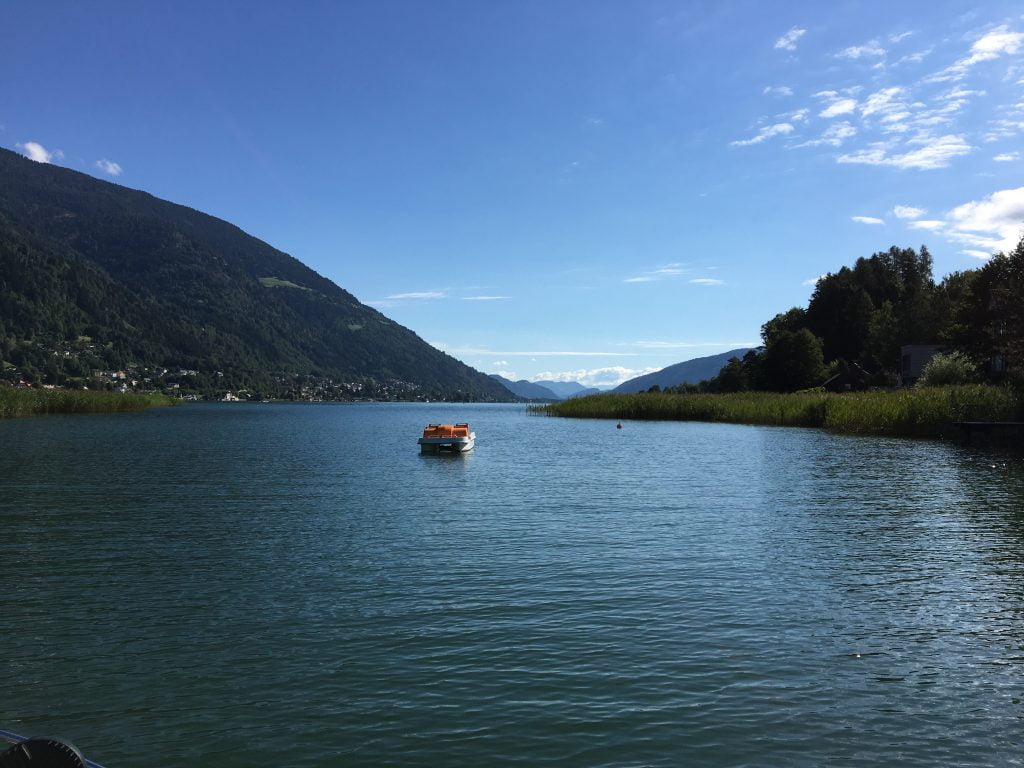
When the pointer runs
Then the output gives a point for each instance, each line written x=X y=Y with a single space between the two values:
x=800 y=115
x=669 y=270
x=908 y=212
x=839 y=107
x=994 y=222
x=1004 y=129
x=813 y=280
x=871 y=48
x=484 y=351
x=866 y=220
x=915 y=58
x=692 y=344
x=936 y=152
x=900 y=37
x=929 y=224
x=778 y=90
x=1007 y=157
x=991 y=46
x=485 y=298
x=595 y=377
x=418 y=295
x=109 y=166
x=779 y=129
x=985 y=255
x=788 y=41
x=35 y=151
x=833 y=136
x=883 y=101
x=510 y=375
x=707 y=281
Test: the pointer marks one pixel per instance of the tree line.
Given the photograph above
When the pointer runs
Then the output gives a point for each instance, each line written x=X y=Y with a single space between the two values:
x=862 y=315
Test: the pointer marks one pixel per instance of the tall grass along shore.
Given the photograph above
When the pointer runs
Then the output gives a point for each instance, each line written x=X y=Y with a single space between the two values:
x=32 y=402
x=911 y=412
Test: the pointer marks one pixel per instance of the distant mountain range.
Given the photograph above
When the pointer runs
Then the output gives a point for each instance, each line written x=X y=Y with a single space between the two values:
x=527 y=390
x=94 y=275
x=688 y=372
x=567 y=389
x=545 y=391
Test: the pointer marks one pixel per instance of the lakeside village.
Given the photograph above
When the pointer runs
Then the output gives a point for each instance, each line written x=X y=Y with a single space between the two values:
x=67 y=368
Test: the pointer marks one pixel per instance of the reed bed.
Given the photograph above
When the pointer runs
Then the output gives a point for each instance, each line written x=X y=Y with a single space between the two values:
x=912 y=412
x=32 y=402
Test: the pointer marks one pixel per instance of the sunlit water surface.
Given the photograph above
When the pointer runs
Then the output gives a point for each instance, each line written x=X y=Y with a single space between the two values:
x=245 y=585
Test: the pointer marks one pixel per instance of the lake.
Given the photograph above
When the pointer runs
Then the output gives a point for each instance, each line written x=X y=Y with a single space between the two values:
x=240 y=585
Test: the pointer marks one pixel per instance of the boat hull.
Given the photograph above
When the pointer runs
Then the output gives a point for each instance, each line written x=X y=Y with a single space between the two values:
x=447 y=444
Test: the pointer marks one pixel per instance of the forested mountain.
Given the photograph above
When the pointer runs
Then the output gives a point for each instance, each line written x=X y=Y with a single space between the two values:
x=860 y=317
x=688 y=372
x=527 y=390
x=95 y=275
x=567 y=389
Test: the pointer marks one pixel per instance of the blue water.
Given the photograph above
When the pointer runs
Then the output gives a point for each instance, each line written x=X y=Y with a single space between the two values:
x=240 y=585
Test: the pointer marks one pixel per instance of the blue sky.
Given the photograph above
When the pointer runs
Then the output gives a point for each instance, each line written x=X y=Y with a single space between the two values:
x=568 y=190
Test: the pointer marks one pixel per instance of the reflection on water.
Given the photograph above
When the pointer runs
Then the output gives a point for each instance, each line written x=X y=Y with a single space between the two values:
x=221 y=584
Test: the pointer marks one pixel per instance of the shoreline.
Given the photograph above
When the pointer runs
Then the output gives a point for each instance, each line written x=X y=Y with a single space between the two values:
x=932 y=412
x=21 y=403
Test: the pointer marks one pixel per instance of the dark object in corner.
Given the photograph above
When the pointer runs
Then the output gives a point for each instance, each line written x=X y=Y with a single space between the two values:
x=42 y=753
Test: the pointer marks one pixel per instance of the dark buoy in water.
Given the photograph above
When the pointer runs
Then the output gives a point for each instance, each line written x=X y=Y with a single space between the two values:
x=619 y=425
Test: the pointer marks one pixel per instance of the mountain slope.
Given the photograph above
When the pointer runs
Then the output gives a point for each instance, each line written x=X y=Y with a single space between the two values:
x=526 y=389
x=567 y=389
x=154 y=283
x=688 y=372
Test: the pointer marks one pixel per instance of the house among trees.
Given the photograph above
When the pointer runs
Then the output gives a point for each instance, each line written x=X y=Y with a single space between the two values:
x=852 y=378
x=913 y=359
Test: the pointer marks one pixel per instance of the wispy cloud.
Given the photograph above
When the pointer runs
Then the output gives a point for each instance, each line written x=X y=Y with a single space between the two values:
x=867 y=220
x=706 y=281
x=934 y=152
x=692 y=344
x=778 y=129
x=611 y=376
x=931 y=225
x=871 y=49
x=839 y=107
x=485 y=298
x=993 y=44
x=834 y=136
x=908 y=212
x=417 y=295
x=109 y=167
x=486 y=352
x=1007 y=157
x=778 y=90
x=33 y=150
x=675 y=269
x=994 y=222
x=813 y=280
x=789 y=40
x=886 y=101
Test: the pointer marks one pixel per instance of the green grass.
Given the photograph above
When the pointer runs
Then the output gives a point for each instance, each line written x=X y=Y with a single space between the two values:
x=32 y=402
x=912 y=412
x=276 y=282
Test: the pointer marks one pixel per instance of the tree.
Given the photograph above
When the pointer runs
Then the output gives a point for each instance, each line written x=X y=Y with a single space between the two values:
x=839 y=314
x=945 y=369
x=793 y=361
x=732 y=378
x=791 y=320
